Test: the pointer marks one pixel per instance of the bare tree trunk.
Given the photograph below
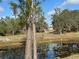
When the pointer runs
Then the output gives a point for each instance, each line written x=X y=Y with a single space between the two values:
x=34 y=43
x=61 y=39
x=31 y=38
x=28 y=47
x=13 y=32
x=34 y=40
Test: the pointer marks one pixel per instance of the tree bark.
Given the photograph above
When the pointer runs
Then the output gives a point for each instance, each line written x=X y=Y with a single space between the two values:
x=34 y=40
x=13 y=32
x=34 y=43
x=31 y=37
x=28 y=47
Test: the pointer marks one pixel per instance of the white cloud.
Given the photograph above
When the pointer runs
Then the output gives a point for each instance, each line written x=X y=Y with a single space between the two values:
x=51 y=12
x=1 y=9
x=8 y=16
x=72 y=2
x=66 y=2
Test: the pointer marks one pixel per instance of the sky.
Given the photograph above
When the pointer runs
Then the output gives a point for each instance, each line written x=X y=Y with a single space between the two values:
x=48 y=7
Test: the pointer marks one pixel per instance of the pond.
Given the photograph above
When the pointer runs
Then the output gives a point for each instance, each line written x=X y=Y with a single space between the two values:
x=45 y=51
x=55 y=50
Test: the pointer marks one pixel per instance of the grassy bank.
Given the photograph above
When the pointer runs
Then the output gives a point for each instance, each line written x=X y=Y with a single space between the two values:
x=74 y=56
x=66 y=38
x=17 y=40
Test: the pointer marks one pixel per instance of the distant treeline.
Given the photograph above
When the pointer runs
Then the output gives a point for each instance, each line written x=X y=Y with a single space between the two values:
x=65 y=21
x=12 y=25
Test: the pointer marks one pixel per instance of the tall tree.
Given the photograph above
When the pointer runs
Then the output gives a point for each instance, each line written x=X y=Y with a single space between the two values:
x=67 y=21
x=28 y=11
x=27 y=8
x=41 y=24
x=14 y=9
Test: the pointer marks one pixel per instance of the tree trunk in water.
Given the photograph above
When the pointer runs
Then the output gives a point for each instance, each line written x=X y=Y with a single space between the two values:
x=31 y=38
x=28 y=47
x=34 y=43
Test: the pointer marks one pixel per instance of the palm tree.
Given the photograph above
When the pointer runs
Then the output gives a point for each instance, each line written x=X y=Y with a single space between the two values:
x=25 y=7
x=34 y=30
x=28 y=10
x=14 y=9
